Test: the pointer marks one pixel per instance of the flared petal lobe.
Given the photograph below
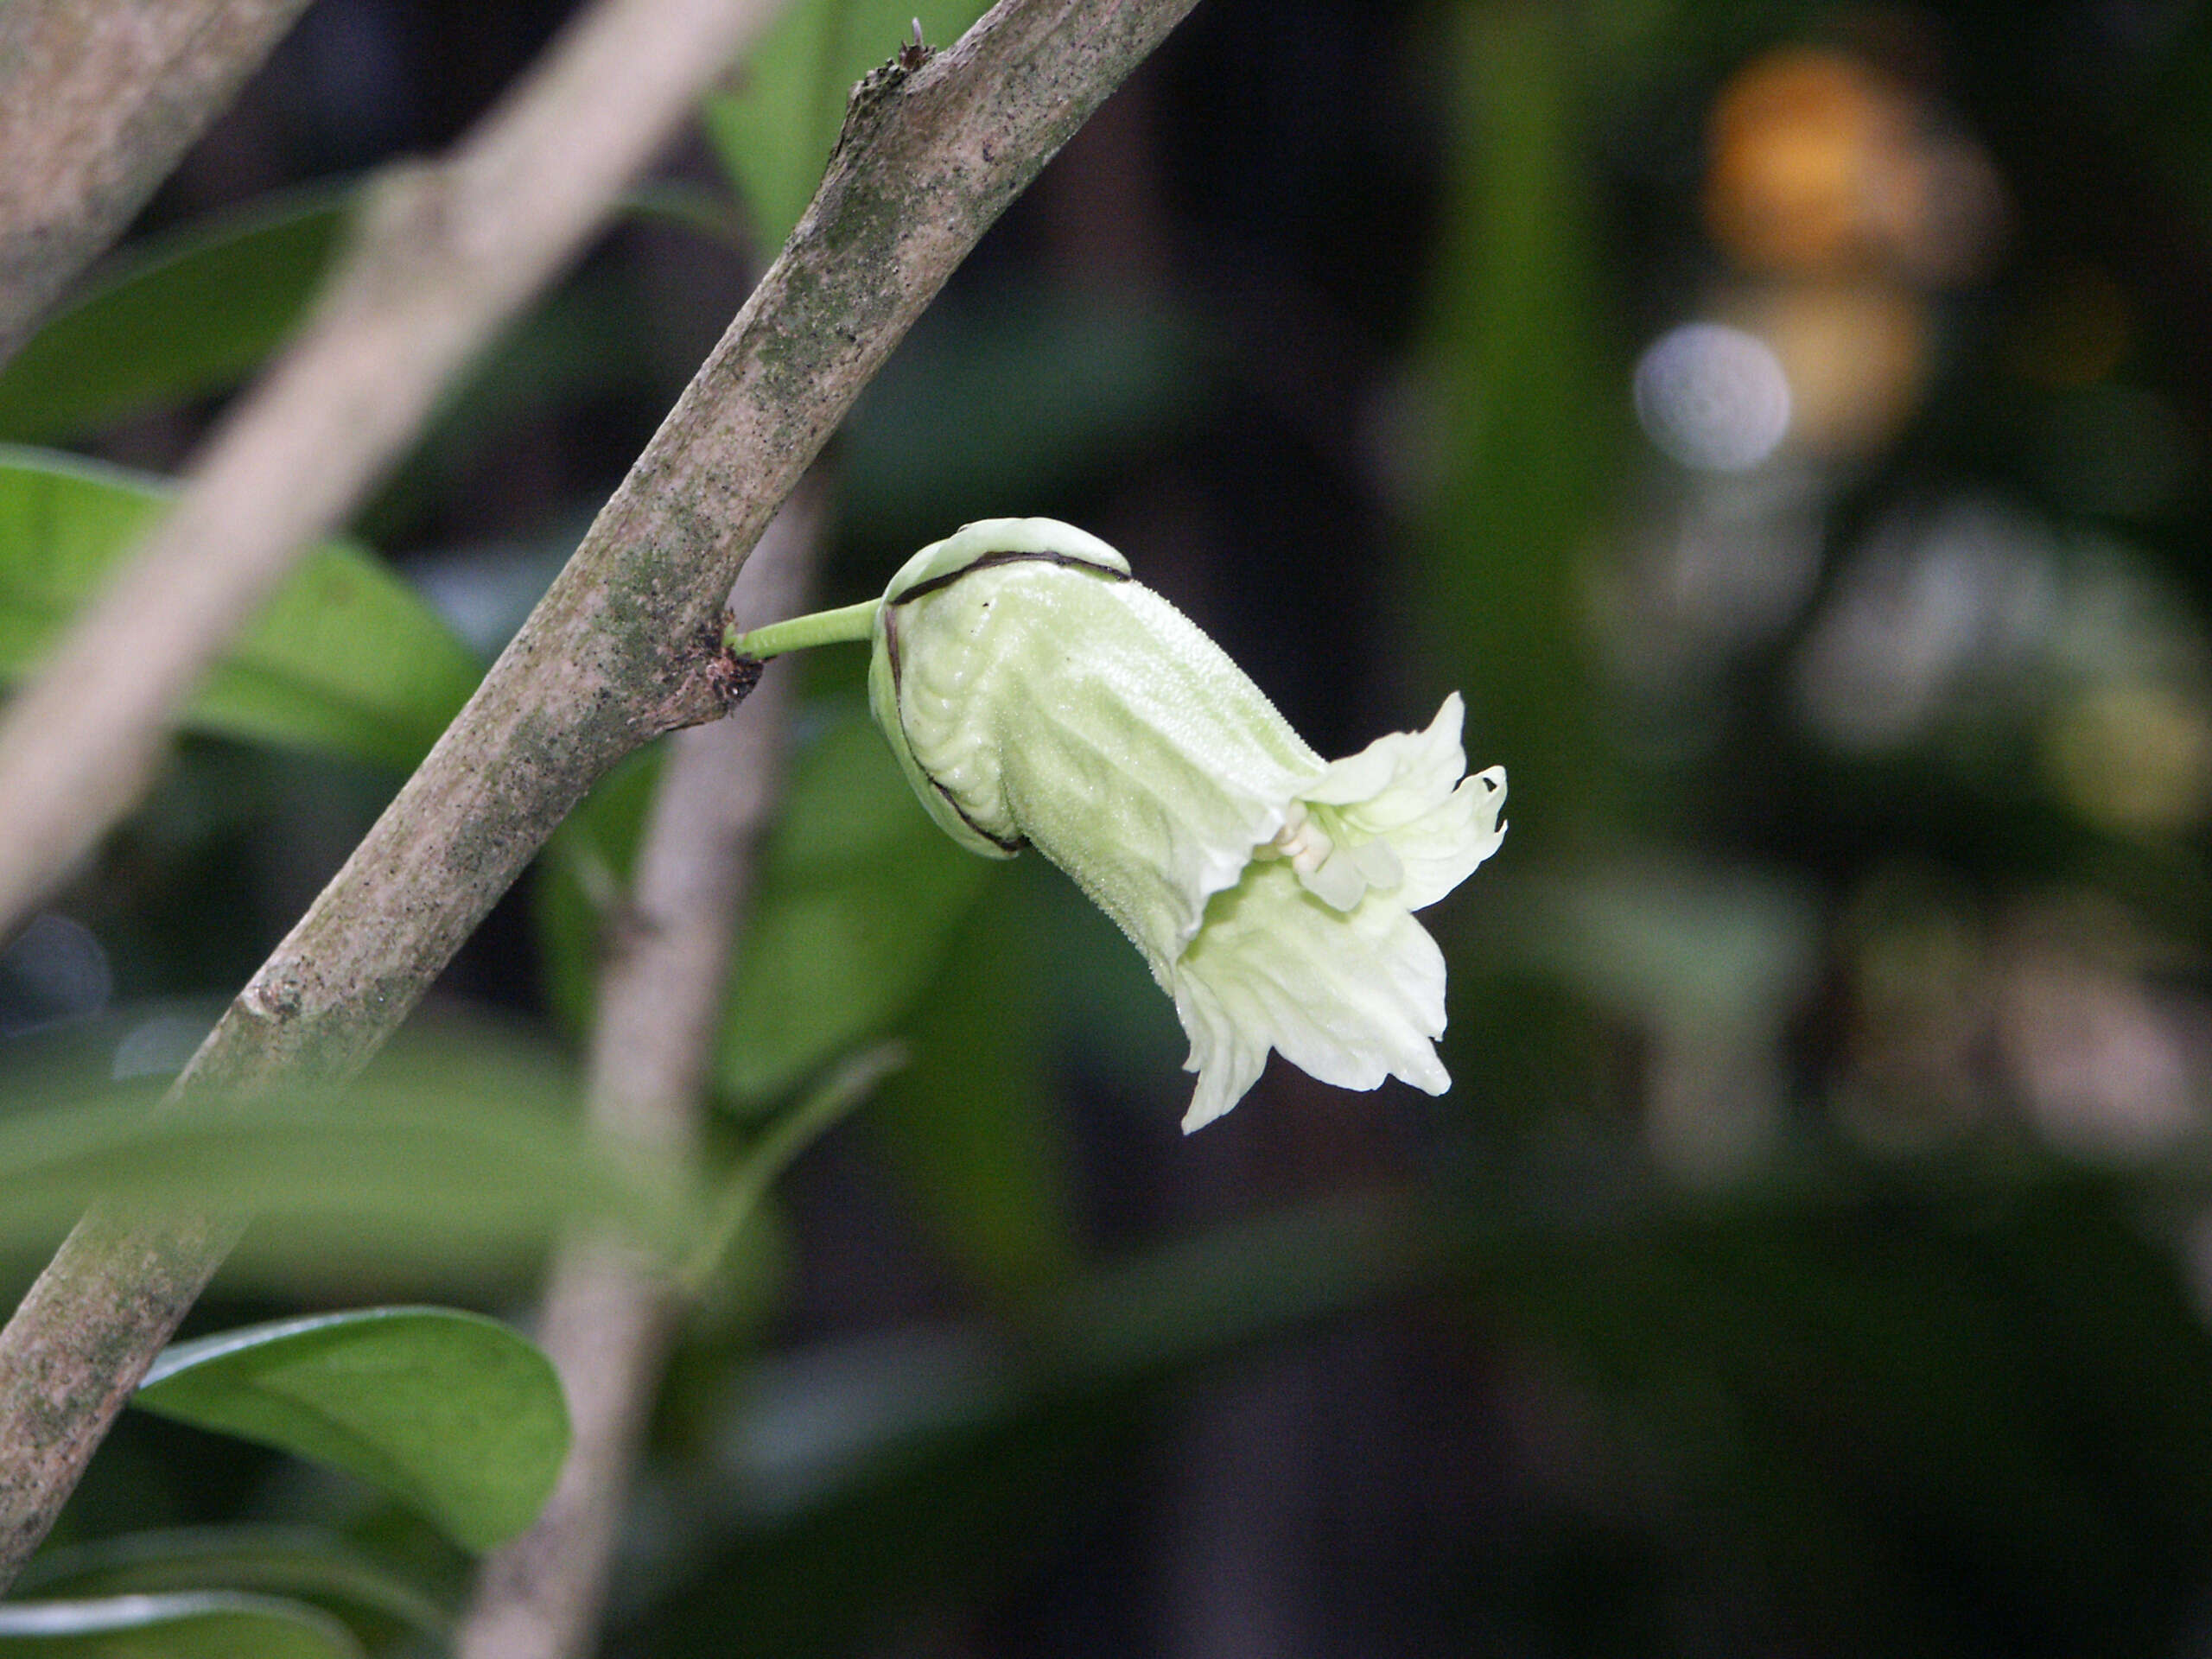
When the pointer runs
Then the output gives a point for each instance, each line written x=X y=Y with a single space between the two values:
x=1348 y=997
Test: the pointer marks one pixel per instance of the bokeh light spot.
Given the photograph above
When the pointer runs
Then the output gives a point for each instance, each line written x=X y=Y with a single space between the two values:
x=1713 y=397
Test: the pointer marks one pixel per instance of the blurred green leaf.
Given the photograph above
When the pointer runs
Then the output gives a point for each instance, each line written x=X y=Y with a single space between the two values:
x=743 y=1192
x=1847 y=1390
x=1531 y=409
x=586 y=869
x=711 y=213
x=200 y=1625
x=346 y=659
x=1836 y=1389
x=190 y=315
x=1052 y=392
x=933 y=1462
x=288 y=1562
x=589 y=343
x=775 y=130
x=452 y=1413
x=1529 y=412
x=437 y=1160
x=1191 y=1302
x=956 y=1519
x=973 y=1124
x=859 y=893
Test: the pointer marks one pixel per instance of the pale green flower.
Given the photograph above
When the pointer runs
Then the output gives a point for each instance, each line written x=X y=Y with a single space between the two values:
x=1033 y=693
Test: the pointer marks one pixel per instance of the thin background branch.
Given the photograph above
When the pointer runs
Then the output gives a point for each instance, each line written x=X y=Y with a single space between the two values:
x=444 y=256
x=623 y=647
x=98 y=99
x=606 y=1317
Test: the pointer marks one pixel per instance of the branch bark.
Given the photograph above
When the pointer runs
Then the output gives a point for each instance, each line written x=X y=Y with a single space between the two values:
x=444 y=256
x=622 y=648
x=607 y=1319
x=98 y=98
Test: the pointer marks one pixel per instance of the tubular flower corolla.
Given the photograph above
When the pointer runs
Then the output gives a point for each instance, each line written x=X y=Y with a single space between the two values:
x=1035 y=694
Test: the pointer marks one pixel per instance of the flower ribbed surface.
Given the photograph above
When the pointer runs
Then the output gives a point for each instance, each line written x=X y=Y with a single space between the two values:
x=1035 y=694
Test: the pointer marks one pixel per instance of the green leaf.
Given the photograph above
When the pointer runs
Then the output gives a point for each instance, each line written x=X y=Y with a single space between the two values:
x=204 y=1625
x=1524 y=480
x=1531 y=409
x=746 y=1188
x=586 y=871
x=451 y=1413
x=1053 y=393
x=970 y=1126
x=706 y=211
x=446 y=1156
x=346 y=659
x=775 y=132
x=289 y=1561
x=190 y=315
x=860 y=892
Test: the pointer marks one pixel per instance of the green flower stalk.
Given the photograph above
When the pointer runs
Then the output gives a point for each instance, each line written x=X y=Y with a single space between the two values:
x=1035 y=695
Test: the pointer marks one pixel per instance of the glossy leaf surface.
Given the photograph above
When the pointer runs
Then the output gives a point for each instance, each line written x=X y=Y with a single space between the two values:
x=452 y=1413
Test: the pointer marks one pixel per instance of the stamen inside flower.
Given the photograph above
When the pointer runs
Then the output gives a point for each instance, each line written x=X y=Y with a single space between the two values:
x=1301 y=841
x=1337 y=869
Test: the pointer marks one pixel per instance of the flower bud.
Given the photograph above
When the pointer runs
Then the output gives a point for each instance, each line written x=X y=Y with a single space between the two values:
x=1035 y=694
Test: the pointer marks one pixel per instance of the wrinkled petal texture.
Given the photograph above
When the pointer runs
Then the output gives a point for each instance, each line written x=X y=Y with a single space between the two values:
x=1089 y=717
